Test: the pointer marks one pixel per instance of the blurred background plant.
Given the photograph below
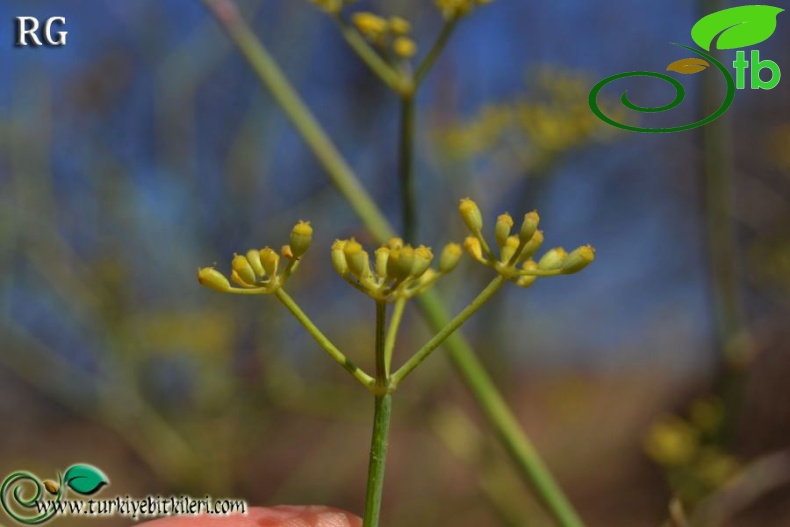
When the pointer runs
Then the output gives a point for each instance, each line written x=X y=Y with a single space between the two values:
x=123 y=164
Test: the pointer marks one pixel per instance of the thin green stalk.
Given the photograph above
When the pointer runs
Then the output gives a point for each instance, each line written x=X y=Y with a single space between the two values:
x=731 y=330
x=381 y=424
x=382 y=375
x=406 y=168
x=472 y=372
x=390 y=76
x=392 y=333
x=270 y=74
x=366 y=380
x=427 y=63
x=501 y=418
x=447 y=330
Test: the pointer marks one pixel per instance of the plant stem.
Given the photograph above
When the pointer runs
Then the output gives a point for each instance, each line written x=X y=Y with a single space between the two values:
x=366 y=380
x=381 y=425
x=382 y=375
x=731 y=331
x=406 y=168
x=501 y=418
x=447 y=330
x=392 y=333
x=369 y=56
x=427 y=63
x=270 y=74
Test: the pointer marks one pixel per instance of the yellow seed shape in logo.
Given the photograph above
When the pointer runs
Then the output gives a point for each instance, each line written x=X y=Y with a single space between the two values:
x=688 y=66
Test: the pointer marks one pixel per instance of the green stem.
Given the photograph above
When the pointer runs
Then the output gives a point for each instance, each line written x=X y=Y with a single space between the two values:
x=447 y=330
x=425 y=66
x=366 y=380
x=382 y=375
x=392 y=333
x=272 y=77
x=369 y=56
x=501 y=418
x=378 y=457
x=381 y=425
x=406 y=168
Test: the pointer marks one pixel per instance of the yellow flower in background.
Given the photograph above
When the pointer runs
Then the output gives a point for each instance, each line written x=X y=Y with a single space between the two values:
x=404 y=47
x=671 y=441
x=372 y=26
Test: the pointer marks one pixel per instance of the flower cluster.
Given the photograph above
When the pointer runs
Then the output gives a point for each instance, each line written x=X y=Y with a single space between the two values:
x=457 y=8
x=332 y=6
x=260 y=272
x=399 y=271
x=518 y=249
x=384 y=32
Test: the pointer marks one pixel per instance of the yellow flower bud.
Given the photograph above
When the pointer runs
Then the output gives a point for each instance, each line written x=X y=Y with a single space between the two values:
x=358 y=260
x=509 y=248
x=301 y=237
x=286 y=252
x=399 y=25
x=451 y=255
x=339 y=261
x=213 y=279
x=254 y=257
x=382 y=255
x=423 y=256
x=404 y=47
x=526 y=281
x=530 y=226
x=553 y=259
x=470 y=213
x=330 y=6
x=400 y=263
x=370 y=25
x=395 y=243
x=269 y=260
x=578 y=259
x=534 y=244
x=474 y=248
x=241 y=266
x=502 y=230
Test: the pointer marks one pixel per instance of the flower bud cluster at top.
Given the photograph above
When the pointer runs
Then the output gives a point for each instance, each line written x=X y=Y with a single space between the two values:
x=398 y=270
x=516 y=250
x=456 y=8
x=260 y=272
x=391 y=33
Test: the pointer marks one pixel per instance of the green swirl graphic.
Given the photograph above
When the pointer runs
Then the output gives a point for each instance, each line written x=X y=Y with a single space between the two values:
x=680 y=96
x=14 y=484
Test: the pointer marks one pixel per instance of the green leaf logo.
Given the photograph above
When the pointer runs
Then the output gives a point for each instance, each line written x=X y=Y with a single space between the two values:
x=85 y=479
x=739 y=27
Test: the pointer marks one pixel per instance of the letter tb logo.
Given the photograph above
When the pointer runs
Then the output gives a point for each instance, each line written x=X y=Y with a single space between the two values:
x=30 y=32
x=757 y=83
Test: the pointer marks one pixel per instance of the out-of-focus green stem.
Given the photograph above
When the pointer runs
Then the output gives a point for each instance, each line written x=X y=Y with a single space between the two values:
x=509 y=432
x=270 y=74
x=469 y=367
x=366 y=380
x=732 y=333
x=447 y=330
x=430 y=59
x=406 y=168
